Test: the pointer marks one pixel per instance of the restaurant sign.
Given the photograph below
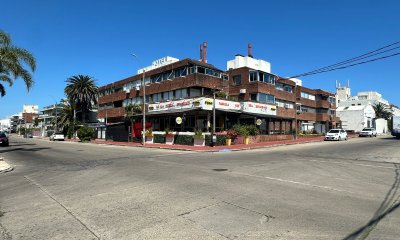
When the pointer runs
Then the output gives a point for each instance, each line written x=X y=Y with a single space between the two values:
x=258 y=108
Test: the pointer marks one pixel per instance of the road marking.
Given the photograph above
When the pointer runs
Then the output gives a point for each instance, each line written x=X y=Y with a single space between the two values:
x=294 y=182
x=359 y=164
x=59 y=203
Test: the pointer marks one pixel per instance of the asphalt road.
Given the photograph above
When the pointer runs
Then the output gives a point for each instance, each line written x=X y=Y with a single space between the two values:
x=325 y=190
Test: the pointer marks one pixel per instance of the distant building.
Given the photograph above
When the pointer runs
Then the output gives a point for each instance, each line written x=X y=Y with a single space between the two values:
x=356 y=112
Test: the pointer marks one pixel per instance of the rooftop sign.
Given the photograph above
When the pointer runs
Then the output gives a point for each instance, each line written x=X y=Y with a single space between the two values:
x=158 y=63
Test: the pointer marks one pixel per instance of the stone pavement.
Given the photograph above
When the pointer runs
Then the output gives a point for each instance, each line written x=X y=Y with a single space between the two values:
x=234 y=147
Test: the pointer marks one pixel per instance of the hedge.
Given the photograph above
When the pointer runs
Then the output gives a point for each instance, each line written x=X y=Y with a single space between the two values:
x=159 y=138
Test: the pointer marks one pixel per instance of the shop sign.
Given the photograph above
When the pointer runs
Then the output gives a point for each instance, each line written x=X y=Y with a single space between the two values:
x=259 y=108
x=207 y=104
x=258 y=122
x=173 y=105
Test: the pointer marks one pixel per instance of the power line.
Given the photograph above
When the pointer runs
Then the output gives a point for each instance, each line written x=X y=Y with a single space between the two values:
x=354 y=59
x=329 y=70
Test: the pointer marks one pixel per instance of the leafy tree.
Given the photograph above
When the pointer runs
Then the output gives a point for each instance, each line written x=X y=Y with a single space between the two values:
x=12 y=63
x=82 y=92
x=382 y=111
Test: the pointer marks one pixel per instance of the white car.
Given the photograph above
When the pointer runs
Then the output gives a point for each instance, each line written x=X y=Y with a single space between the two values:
x=336 y=134
x=367 y=132
x=57 y=136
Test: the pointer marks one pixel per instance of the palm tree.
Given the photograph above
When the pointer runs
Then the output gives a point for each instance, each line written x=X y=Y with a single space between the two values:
x=82 y=92
x=12 y=61
x=65 y=117
x=382 y=111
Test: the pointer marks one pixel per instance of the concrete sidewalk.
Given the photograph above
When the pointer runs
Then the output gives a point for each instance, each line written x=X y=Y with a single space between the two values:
x=235 y=147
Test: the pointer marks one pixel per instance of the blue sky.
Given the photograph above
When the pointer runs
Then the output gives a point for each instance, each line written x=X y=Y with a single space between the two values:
x=96 y=38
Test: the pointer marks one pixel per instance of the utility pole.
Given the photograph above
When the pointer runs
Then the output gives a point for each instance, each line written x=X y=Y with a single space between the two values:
x=213 y=136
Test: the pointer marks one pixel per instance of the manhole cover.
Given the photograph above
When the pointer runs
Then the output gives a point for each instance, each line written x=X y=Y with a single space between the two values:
x=220 y=169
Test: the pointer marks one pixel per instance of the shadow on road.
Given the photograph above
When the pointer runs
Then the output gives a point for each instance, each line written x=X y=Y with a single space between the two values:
x=389 y=204
x=390 y=138
x=10 y=149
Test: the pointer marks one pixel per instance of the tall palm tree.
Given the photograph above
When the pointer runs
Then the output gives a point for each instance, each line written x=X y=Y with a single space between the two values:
x=12 y=62
x=382 y=111
x=83 y=92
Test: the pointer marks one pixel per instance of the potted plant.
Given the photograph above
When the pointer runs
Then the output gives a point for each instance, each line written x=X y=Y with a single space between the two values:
x=199 y=139
x=149 y=135
x=230 y=136
x=169 y=137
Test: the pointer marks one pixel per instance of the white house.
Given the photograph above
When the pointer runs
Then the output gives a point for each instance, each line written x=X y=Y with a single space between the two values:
x=355 y=118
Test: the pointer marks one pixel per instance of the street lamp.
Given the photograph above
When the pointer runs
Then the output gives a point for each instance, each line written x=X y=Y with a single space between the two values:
x=295 y=116
x=144 y=109
x=213 y=136
x=144 y=103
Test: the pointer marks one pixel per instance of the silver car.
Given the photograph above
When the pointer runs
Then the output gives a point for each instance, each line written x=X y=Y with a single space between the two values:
x=367 y=132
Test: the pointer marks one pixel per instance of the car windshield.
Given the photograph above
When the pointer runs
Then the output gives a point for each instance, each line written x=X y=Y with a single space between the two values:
x=3 y=135
x=367 y=129
x=334 y=131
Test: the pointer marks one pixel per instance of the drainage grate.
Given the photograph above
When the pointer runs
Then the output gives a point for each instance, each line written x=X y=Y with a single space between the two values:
x=220 y=169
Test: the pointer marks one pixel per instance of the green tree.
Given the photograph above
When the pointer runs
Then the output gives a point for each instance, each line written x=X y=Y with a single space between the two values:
x=82 y=92
x=12 y=63
x=382 y=111
x=65 y=117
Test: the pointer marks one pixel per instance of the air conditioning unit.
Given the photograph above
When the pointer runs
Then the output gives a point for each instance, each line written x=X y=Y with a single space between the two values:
x=287 y=105
x=137 y=87
x=127 y=90
x=243 y=90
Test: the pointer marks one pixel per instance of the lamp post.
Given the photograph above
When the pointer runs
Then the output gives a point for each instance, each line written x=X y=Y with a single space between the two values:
x=144 y=108
x=213 y=136
x=144 y=104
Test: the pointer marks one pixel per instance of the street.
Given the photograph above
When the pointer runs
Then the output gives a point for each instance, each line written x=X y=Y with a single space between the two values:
x=322 y=190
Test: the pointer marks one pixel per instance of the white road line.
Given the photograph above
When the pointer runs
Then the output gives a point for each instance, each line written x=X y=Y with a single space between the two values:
x=359 y=164
x=294 y=182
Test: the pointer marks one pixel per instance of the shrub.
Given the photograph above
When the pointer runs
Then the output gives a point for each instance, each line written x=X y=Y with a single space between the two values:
x=159 y=138
x=252 y=129
x=221 y=140
x=149 y=133
x=198 y=134
x=183 y=140
x=85 y=133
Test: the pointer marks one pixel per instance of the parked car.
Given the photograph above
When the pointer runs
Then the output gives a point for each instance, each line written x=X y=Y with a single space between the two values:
x=336 y=134
x=57 y=136
x=367 y=132
x=4 y=139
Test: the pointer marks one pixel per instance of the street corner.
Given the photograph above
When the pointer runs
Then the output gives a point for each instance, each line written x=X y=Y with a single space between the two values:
x=4 y=166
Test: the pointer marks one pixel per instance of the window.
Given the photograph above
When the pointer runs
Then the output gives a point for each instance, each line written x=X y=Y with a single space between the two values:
x=308 y=96
x=253 y=76
x=262 y=97
x=279 y=86
x=268 y=78
x=237 y=79
x=181 y=93
x=195 y=92
x=288 y=88
x=201 y=70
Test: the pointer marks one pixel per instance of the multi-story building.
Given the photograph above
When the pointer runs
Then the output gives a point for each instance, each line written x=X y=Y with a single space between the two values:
x=247 y=93
x=46 y=118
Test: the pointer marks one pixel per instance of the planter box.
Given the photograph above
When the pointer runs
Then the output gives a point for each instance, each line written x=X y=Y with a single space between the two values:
x=169 y=139
x=149 y=139
x=199 y=142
